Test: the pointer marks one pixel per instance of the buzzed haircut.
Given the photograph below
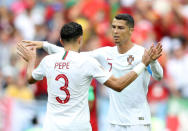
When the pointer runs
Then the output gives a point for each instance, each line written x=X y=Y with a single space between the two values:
x=71 y=32
x=128 y=18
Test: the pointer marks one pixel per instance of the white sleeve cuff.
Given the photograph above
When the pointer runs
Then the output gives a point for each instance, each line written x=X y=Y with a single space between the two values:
x=36 y=76
x=45 y=45
x=139 y=68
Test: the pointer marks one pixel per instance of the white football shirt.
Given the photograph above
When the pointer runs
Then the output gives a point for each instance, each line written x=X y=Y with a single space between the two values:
x=130 y=106
x=69 y=75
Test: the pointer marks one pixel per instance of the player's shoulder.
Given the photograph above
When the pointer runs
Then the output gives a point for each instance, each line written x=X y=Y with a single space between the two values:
x=137 y=49
x=106 y=48
x=86 y=58
x=52 y=57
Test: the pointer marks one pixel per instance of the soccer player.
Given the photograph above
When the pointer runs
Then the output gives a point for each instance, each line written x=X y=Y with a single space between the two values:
x=69 y=74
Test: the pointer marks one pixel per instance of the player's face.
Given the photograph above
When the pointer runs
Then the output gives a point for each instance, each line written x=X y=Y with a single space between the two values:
x=120 y=31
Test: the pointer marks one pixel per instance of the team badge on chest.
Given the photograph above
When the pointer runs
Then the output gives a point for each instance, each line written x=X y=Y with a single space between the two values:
x=130 y=59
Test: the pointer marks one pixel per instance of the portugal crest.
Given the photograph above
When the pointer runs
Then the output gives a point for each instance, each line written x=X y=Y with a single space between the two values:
x=130 y=59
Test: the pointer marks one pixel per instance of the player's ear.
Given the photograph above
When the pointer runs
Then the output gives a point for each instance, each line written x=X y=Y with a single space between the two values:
x=131 y=30
x=80 y=40
x=61 y=41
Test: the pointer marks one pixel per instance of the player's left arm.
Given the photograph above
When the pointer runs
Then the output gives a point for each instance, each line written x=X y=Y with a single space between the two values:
x=156 y=69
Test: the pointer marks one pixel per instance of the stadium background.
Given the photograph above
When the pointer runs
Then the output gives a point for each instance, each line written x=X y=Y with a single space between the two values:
x=22 y=105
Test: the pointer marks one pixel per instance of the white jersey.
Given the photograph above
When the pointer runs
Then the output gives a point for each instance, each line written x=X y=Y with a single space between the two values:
x=69 y=75
x=130 y=106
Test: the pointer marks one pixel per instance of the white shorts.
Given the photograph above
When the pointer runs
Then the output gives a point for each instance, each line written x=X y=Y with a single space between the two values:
x=52 y=125
x=113 y=127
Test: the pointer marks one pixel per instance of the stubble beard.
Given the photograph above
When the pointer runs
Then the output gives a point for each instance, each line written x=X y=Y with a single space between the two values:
x=118 y=43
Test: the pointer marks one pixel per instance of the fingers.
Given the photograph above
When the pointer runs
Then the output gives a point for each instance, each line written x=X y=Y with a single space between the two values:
x=158 y=51
x=152 y=54
x=25 y=48
x=157 y=56
x=159 y=47
x=151 y=50
x=37 y=44
x=22 y=48
x=147 y=57
x=21 y=55
x=28 y=43
x=27 y=53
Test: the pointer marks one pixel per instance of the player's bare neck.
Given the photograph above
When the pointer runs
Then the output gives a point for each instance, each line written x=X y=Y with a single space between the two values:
x=123 y=48
x=71 y=47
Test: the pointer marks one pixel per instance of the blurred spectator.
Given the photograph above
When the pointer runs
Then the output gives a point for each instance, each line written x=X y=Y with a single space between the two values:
x=19 y=90
x=24 y=23
x=177 y=70
x=5 y=48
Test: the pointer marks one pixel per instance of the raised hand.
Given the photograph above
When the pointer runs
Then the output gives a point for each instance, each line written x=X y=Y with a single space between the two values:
x=147 y=57
x=27 y=53
x=35 y=44
x=158 y=51
x=152 y=54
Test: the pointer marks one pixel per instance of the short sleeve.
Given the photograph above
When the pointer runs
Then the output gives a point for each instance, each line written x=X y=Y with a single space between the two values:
x=39 y=72
x=97 y=53
x=97 y=71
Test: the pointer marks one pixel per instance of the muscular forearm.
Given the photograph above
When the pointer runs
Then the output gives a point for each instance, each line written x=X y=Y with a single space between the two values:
x=118 y=84
x=30 y=68
x=122 y=82
x=157 y=71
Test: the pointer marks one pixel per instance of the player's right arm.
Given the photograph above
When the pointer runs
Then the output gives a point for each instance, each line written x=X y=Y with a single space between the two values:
x=48 y=47
x=106 y=78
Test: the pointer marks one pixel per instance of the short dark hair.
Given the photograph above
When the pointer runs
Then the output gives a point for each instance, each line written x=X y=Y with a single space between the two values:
x=71 y=31
x=128 y=18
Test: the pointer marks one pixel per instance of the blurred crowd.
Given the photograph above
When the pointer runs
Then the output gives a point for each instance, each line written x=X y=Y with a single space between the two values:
x=41 y=20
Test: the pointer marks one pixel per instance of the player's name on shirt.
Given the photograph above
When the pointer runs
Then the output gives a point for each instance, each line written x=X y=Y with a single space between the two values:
x=62 y=65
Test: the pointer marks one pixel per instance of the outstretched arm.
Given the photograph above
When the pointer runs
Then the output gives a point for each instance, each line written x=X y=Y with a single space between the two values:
x=48 y=47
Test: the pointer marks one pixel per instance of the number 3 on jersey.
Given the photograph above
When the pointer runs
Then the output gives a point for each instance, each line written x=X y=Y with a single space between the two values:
x=63 y=88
